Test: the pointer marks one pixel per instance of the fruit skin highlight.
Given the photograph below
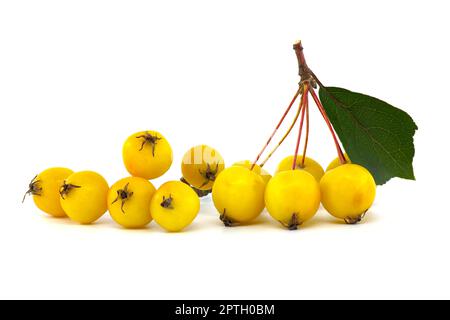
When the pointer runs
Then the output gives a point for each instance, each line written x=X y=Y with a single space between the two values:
x=174 y=206
x=147 y=154
x=292 y=197
x=84 y=196
x=336 y=162
x=256 y=168
x=201 y=165
x=129 y=202
x=310 y=166
x=348 y=191
x=238 y=195
x=46 y=190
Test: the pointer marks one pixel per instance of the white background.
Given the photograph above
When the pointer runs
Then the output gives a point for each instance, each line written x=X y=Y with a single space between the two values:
x=78 y=77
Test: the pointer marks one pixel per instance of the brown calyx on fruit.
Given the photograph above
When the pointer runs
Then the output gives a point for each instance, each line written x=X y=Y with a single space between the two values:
x=356 y=220
x=227 y=222
x=150 y=139
x=34 y=188
x=167 y=203
x=293 y=223
x=209 y=174
x=123 y=195
x=66 y=188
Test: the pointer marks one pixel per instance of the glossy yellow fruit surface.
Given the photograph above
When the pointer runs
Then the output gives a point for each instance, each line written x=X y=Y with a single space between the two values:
x=45 y=190
x=129 y=202
x=174 y=206
x=257 y=169
x=238 y=195
x=336 y=162
x=292 y=197
x=310 y=166
x=201 y=165
x=147 y=155
x=84 y=196
x=348 y=191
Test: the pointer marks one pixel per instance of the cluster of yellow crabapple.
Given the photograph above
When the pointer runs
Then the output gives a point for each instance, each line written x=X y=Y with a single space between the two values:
x=240 y=192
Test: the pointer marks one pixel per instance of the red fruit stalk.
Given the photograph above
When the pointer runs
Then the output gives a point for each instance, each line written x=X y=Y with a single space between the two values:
x=297 y=115
x=325 y=117
x=304 y=107
x=308 y=82
x=276 y=129
x=307 y=135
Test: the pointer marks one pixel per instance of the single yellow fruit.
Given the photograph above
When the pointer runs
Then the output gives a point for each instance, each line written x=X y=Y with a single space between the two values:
x=201 y=165
x=348 y=191
x=310 y=166
x=238 y=195
x=174 y=206
x=147 y=155
x=257 y=169
x=45 y=190
x=292 y=197
x=336 y=162
x=83 y=196
x=129 y=202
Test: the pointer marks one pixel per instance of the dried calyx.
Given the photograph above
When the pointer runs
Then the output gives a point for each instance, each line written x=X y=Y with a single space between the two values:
x=209 y=174
x=167 y=202
x=66 y=188
x=123 y=195
x=227 y=222
x=34 y=188
x=150 y=139
x=293 y=224
x=355 y=220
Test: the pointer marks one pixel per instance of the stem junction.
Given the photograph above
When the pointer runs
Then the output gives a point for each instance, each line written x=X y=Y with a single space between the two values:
x=308 y=83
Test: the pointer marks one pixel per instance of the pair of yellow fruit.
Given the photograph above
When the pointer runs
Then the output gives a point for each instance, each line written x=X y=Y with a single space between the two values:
x=132 y=202
x=60 y=192
x=149 y=155
x=294 y=196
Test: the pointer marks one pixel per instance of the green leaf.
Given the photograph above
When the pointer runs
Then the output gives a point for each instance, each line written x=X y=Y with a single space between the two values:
x=375 y=134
